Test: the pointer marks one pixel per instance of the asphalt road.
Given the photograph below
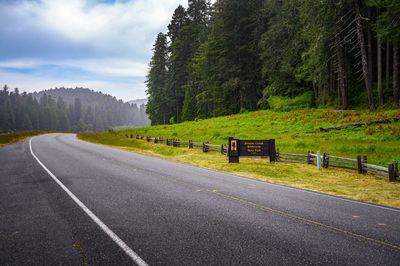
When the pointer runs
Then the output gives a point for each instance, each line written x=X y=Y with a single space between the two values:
x=158 y=212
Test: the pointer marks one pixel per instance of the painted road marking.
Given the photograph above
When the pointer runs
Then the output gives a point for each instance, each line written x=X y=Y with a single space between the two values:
x=266 y=208
x=135 y=257
x=279 y=212
x=247 y=179
x=321 y=194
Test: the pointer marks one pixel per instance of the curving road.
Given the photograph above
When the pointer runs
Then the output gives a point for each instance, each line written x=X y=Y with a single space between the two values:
x=65 y=201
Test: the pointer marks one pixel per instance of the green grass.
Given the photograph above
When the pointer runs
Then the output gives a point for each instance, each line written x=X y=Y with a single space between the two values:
x=9 y=138
x=381 y=143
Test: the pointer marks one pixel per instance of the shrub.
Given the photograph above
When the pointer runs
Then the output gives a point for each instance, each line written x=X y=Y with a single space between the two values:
x=279 y=103
x=243 y=110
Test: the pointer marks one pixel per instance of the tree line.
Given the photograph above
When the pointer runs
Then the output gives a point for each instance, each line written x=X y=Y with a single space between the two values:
x=236 y=55
x=82 y=110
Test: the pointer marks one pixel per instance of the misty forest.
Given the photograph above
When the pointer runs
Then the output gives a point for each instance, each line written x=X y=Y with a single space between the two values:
x=236 y=56
x=62 y=109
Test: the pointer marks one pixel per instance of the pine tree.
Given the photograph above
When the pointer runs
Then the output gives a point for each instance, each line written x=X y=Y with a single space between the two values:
x=157 y=106
x=188 y=109
x=77 y=110
x=388 y=27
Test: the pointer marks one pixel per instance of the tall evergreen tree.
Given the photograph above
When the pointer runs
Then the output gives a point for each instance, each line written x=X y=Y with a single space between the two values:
x=388 y=27
x=157 y=106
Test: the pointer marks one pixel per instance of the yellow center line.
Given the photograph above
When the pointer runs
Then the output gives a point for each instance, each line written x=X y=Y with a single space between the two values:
x=282 y=213
x=266 y=208
x=259 y=206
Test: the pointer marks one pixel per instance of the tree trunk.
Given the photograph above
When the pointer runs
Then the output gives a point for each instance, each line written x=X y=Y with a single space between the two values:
x=364 y=58
x=164 y=114
x=370 y=56
x=379 y=59
x=342 y=84
x=340 y=61
x=387 y=64
x=395 y=74
x=338 y=98
x=315 y=92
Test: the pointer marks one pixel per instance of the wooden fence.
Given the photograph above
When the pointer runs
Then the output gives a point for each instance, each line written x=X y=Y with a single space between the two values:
x=204 y=146
x=359 y=164
x=324 y=160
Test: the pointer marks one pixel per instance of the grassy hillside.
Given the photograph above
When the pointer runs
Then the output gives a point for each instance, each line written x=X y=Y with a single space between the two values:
x=381 y=143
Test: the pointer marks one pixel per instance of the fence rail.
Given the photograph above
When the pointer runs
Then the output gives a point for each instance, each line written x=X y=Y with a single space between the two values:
x=204 y=146
x=325 y=160
x=359 y=164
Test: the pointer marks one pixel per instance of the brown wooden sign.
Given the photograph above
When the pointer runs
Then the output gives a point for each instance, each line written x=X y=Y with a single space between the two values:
x=251 y=148
x=254 y=147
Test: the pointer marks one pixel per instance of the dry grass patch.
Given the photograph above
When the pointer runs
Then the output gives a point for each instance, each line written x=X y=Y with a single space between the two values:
x=9 y=138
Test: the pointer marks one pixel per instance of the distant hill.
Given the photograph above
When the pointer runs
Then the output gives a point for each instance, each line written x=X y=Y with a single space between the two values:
x=67 y=109
x=139 y=102
x=87 y=96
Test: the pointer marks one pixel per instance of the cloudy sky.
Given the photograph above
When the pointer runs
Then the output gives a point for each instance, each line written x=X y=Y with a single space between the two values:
x=104 y=45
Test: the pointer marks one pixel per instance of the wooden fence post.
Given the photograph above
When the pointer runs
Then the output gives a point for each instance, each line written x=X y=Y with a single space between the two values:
x=319 y=160
x=396 y=169
x=190 y=144
x=277 y=154
x=205 y=147
x=359 y=164
x=392 y=176
x=222 y=149
x=365 y=161
x=308 y=158
x=175 y=143
x=325 y=160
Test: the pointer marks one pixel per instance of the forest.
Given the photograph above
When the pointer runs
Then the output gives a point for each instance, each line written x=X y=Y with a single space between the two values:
x=61 y=109
x=235 y=56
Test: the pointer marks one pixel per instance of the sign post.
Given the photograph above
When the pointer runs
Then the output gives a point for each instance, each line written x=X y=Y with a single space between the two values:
x=233 y=150
x=251 y=148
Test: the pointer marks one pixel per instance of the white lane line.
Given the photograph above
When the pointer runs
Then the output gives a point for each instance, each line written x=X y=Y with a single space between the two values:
x=135 y=257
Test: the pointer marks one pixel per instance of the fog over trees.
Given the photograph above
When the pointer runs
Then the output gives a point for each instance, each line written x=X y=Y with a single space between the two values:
x=236 y=55
x=62 y=109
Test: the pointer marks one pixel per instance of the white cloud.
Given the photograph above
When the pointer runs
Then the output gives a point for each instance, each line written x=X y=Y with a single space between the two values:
x=121 y=25
x=110 y=43
x=112 y=67
x=20 y=63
